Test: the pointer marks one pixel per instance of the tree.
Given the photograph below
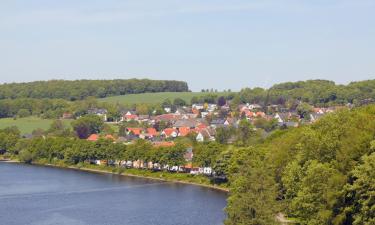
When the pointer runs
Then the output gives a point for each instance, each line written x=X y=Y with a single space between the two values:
x=360 y=193
x=221 y=101
x=318 y=193
x=245 y=132
x=86 y=125
x=253 y=191
x=23 y=113
x=223 y=134
x=179 y=102
x=304 y=110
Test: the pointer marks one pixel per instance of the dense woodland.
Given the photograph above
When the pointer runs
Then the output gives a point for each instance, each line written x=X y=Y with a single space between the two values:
x=318 y=174
x=314 y=92
x=80 y=89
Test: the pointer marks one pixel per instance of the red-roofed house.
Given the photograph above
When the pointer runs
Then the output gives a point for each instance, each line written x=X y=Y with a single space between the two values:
x=152 y=132
x=135 y=130
x=93 y=137
x=108 y=136
x=183 y=131
x=170 y=132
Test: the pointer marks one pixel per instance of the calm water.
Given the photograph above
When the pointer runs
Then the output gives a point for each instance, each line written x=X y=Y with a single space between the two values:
x=51 y=196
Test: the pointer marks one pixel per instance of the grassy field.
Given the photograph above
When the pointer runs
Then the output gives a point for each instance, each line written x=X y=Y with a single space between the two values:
x=154 y=98
x=28 y=124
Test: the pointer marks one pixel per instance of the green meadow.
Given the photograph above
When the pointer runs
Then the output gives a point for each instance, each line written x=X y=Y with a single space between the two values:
x=28 y=124
x=154 y=98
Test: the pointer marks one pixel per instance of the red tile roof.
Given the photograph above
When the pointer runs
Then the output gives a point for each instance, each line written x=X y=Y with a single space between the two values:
x=93 y=137
x=183 y=131
x=135 y=131
x=169 y=131
x=164 y=144
x=131 y=117
x=152 y=131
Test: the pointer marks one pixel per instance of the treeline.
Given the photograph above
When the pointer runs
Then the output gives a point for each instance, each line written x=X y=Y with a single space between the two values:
x=318 y=174
x=80 y=89
x=314 y=92
x=60 y=145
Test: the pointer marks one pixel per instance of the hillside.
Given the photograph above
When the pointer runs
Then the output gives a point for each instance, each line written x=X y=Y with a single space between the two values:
x=153 y=98
x=80 y=89
x=28 y=124
x=318 y=174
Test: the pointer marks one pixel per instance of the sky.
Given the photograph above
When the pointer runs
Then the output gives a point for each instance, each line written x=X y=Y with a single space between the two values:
x=220 y=44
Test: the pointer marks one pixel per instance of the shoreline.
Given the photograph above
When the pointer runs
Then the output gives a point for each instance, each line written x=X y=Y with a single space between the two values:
x=90 y=170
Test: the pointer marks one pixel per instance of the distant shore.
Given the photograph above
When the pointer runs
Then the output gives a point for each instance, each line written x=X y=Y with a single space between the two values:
x=98 y=170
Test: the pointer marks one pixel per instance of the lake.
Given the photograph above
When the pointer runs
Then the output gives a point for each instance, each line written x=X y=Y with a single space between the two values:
x=39 y=195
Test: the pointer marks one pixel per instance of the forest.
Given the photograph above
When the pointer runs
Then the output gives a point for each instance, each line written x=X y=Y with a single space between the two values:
x=322 y=173
x=315 y=92
x=80 y=89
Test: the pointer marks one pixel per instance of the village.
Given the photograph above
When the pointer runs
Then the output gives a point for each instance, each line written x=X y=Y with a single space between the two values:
x=198 y=122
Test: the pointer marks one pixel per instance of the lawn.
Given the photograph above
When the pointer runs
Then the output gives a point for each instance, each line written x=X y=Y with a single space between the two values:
x=154 y=98
x=28 y=124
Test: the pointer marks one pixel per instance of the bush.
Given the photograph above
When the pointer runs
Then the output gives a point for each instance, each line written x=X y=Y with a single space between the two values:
x=26 y=156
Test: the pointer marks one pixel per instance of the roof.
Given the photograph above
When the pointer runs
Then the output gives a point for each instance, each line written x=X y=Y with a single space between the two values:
x=185 y=123
x=135 y=130
x=108 y=136
x=218 y=121
x=164 y=144
x=93 y=137
x=169 y=131
x=166 y=117
x=152 y=131
x=131 y=117
x=183 y=131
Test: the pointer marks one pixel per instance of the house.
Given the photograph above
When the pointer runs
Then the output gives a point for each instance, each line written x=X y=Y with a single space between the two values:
x=188 y=156
x=207 y=171
x=184 y=131
x=67 y=115
x=151 y=132
x=198 y=106
x=99 y=112
x=167 y=109
x=170 y=132
x=134 y=130
x=93 y=137
x=253 y=106
x=206 y=134
x=129 y=117
x=166 y=117
x=143 y=118
x=191 y=123
x=315 y=117
x=283 y=117
x=219 y=123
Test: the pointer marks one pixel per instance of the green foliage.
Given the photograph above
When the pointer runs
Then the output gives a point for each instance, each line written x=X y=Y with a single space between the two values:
x=80 y=89
x=313 y=92
x=324 y=172
x=253 y=191
x=160 y=98
x=86 y=125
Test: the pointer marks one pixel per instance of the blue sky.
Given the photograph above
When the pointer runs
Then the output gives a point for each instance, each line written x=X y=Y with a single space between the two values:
x=210 y=44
